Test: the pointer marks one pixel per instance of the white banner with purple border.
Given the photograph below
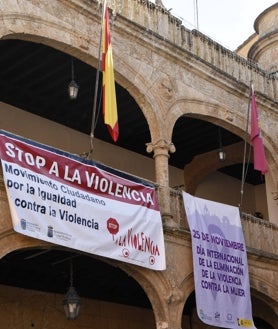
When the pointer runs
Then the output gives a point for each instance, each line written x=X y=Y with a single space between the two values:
x=220 y=263
x=66 y=200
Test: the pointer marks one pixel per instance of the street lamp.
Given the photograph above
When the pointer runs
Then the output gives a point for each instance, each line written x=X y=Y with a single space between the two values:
x=71 y=301
x=73 y=86
x=221 y=152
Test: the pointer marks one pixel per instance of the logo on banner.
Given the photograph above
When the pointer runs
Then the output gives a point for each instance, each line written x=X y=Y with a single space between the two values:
x=220 y=263
x=113 y=226
x=58 y=197
x=131 y=239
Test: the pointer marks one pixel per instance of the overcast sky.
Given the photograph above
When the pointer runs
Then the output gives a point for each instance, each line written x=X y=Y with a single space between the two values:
x=227 y=22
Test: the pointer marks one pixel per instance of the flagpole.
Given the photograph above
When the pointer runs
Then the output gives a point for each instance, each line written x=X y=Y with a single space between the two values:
x=196 y=14
x=96 y=84
x=243 y=175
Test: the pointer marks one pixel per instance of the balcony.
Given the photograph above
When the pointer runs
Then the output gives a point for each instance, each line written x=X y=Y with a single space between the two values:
x=261 y=236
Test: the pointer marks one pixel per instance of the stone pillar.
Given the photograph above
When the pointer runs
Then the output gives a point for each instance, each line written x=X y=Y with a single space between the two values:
x=174 y=306
x=161 y=149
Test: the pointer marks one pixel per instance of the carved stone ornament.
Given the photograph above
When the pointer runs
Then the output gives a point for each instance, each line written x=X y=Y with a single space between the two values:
x=161 y=144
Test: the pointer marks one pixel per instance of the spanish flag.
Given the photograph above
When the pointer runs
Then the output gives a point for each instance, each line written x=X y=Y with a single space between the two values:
x=108 y=83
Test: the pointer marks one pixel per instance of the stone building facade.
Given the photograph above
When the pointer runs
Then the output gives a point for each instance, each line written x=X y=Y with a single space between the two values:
x=170 y=72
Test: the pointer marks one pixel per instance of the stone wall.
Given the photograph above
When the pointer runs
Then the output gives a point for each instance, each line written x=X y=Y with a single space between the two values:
x=170 y=71
x=26 y=309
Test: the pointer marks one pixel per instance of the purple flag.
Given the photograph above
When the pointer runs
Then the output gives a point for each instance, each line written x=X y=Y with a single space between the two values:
x=260 y=163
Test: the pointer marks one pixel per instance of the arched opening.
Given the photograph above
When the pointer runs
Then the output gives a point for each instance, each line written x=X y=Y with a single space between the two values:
x=35 y=78
x=261 y=315
x=262 y=324
x=43 y=275
x=205 y=175
x=193 y=136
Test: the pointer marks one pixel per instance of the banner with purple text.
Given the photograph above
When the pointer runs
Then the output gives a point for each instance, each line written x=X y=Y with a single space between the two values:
x=220 y=263
x=70 y=201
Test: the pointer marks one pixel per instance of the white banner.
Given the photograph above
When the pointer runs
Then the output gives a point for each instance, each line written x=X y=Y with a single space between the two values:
x=220 y=263
x=61 y=198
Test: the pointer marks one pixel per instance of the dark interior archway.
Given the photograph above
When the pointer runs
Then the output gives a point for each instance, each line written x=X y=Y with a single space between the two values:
x=35 y=77
x=48 y=270
x=193 y=322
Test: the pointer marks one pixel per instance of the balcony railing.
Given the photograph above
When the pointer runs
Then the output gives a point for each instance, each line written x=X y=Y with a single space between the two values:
x=261 y=236
x=159 y=22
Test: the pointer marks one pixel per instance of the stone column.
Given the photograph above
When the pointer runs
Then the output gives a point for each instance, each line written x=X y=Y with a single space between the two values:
x=174 y=306
x=161 y=149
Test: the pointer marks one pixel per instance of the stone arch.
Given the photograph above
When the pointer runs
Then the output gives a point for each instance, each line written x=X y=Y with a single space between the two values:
x=175 y=298
x=154 y=284
x=214 y=113
x=77 y=41
x=11 y=241
x=157 y=289
x=188 y=288
x=235 y=122
x=200 y=108
x=263 y=309
x=187 y=285
x=263 y=287
x=207 y=163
